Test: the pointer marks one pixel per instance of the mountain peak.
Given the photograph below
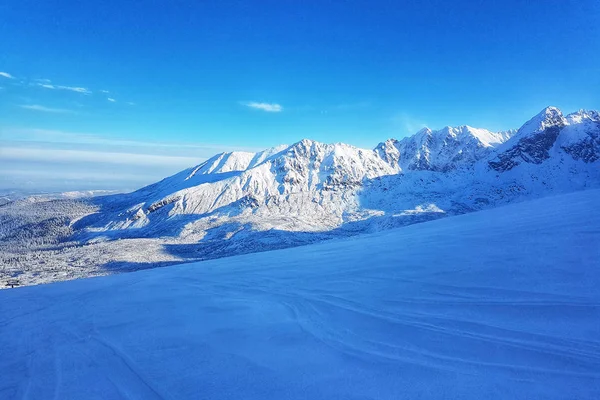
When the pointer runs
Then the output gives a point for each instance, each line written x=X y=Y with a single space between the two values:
x=305 y=142
x=424 y=131
x=549 y=113
x=305 y=147
x=533 y=141
x=548 y=117
x=551 y=110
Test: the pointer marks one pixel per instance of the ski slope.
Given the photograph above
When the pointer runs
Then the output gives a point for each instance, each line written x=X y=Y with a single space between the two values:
x=497 y=304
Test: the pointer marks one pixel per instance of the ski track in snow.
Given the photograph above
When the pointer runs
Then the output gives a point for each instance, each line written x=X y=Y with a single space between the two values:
x=497 y=304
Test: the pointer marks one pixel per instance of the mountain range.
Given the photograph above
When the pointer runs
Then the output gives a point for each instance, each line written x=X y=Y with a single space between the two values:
x=241 y=202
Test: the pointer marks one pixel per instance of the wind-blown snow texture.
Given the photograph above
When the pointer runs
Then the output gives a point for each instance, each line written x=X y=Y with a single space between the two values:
x=497 y=304
x=238 y=202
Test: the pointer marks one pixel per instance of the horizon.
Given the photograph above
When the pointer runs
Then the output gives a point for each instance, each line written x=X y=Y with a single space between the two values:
x=115 y=101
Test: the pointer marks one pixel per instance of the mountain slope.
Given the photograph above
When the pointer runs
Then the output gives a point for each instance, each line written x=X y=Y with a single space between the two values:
x=507 y=306
x=307 y=177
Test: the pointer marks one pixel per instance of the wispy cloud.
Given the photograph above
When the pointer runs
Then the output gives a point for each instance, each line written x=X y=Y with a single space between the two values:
x=110 y=178
x=69 y=88
x=268 y=107
x=68 y=156
x=130 y=103
x=6 y=75
x=104 y=91
x=111 y=100
x=36 y=107
x=45 y=136
x=59 y=161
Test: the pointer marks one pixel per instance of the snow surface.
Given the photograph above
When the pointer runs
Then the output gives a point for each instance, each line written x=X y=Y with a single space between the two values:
x=497 y=304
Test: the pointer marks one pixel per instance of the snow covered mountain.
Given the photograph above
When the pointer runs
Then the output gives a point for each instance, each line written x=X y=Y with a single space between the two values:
x=285 y=196
x=319 y=186
x=314 y=183
x=550 y=133
x=306 y=179
x=443 y=150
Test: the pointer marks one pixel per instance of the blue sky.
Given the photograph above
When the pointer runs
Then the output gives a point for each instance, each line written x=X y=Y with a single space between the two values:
x=170 y=83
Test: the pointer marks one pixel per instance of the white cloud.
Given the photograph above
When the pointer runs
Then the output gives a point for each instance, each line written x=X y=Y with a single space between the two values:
x=56 y=173
x=268 y=107
x=130 y=103
x=47 y=136
x=69 y=88
x=36 y=107
x=111 y=99
x=7 y=75
x=75 y=89
x=104 y=91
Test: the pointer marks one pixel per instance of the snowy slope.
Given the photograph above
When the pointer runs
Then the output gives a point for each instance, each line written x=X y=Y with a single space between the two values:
x=498 y=304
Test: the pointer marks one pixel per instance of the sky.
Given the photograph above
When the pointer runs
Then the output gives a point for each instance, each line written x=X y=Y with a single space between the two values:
x=118 y=94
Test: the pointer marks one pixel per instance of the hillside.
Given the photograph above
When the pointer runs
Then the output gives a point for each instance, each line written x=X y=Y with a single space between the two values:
x=507 y=306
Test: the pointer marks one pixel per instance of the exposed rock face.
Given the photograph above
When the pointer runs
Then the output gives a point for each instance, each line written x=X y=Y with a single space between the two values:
x=532 y=149
x=588 y=150
x=533 y=141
